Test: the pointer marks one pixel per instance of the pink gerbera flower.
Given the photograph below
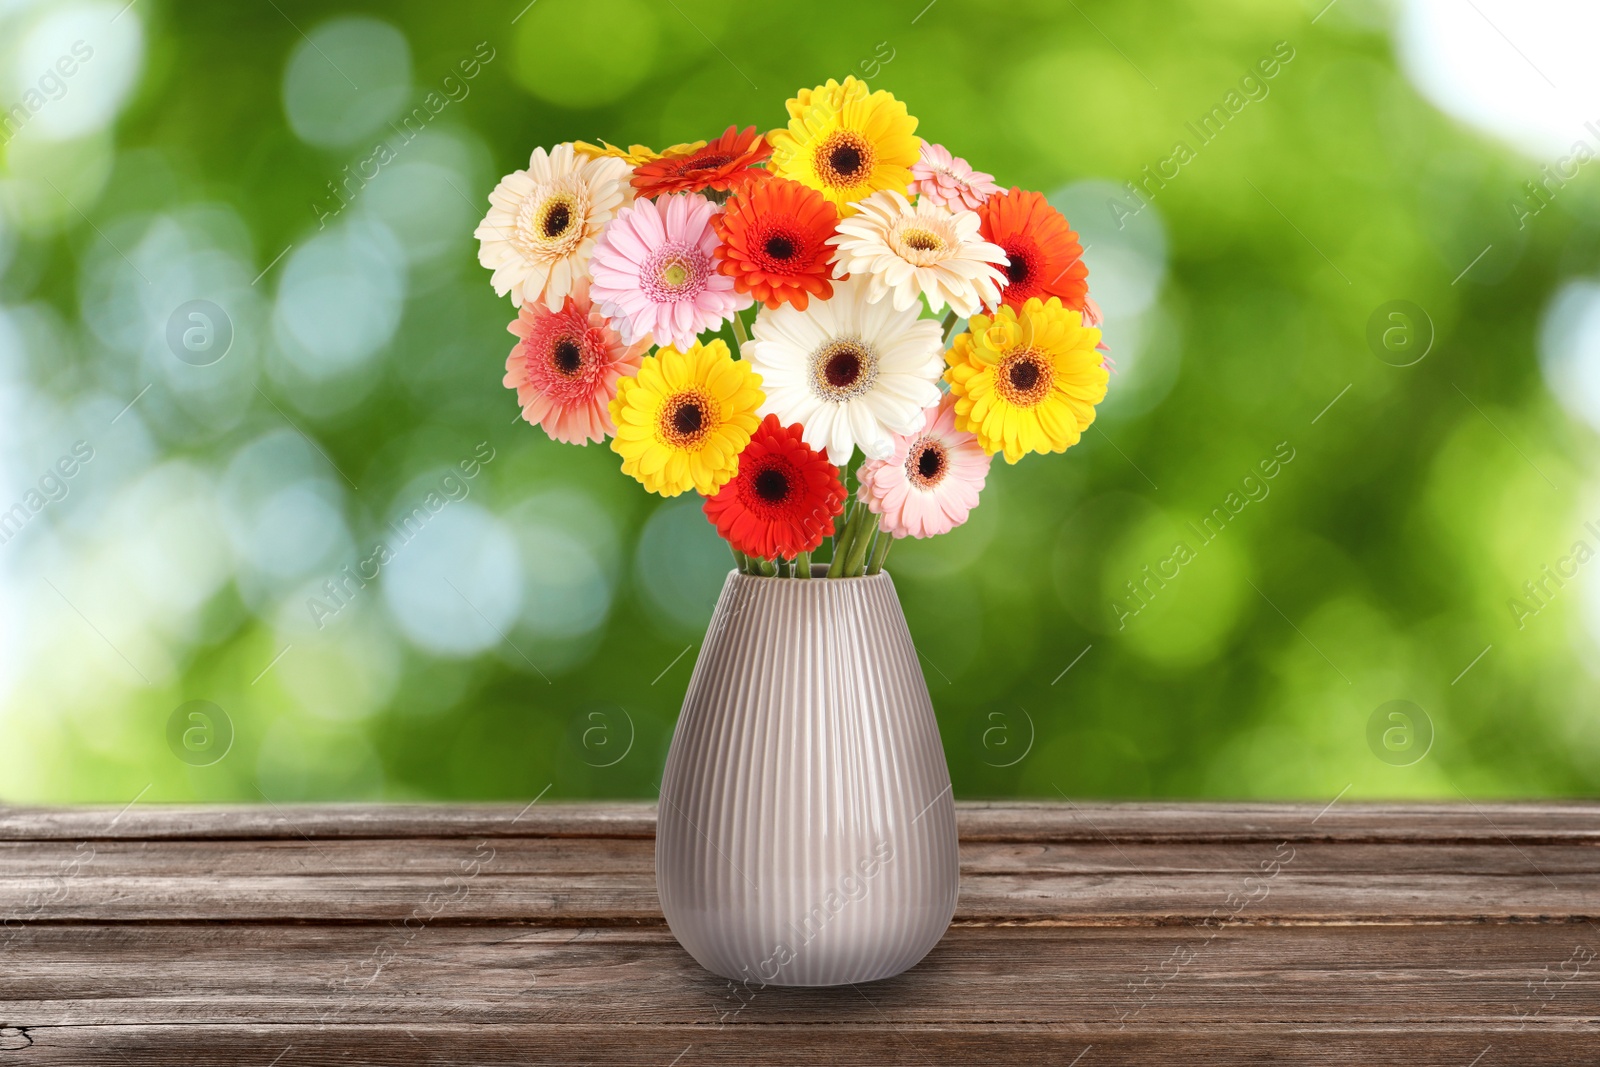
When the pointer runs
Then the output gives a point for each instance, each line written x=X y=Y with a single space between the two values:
x=1093 y=317
x=949 y=180
x=655 y=275
x=565 y=367
x=931 y=481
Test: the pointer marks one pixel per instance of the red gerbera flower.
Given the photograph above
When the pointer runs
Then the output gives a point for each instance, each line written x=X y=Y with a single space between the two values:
x=774 y=236
x=1045 y=257
x=784 y=498
x=724 y=164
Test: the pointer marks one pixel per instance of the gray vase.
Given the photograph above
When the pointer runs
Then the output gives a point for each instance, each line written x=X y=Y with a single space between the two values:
x=806 y=832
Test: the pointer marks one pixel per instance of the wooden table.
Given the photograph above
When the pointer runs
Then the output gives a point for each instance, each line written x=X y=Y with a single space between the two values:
x=1087 y=934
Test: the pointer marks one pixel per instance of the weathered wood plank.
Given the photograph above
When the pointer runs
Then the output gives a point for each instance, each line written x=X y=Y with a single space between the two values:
x=1010 y=821
x=573 y=880
x=863 y=1039
x=1152 y=934
x=1338 y=977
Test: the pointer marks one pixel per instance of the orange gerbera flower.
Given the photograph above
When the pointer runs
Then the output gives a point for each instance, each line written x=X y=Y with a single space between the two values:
x=724 y=164
x=774 y=242
x=1045 y=257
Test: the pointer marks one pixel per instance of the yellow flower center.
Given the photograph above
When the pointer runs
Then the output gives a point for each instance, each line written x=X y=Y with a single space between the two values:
x=845 y=159
x=1023 y=379
x=922 y=240
x=687 y=419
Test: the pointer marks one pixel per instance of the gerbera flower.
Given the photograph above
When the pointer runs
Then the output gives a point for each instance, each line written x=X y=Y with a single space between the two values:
x=927 y=249
x=725 y=163
x=852 y=372
x=543 y=221
x=930 y=483
x=655 y=274
x=775 y=242
x=565 y=367
x=685 y=417
x=949 y=180
x=846 y=143
x=1027 y=382
x=784 y=498
x=1092 y=316
x=633 y=155
x=1043 y=256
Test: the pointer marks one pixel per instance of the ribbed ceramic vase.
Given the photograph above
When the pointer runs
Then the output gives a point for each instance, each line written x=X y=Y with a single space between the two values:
x=806 y=833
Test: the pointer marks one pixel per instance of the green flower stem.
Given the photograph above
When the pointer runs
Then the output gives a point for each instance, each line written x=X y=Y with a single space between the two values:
x=842 y=547
x=741 y=334
x=857 y=558
x=766 y=568
x=949 y=324
x=880 y=551
x=802 y=565
x=740 y=560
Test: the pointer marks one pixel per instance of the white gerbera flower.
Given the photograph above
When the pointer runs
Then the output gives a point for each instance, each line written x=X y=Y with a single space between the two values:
x=850 y=371
x=927 y=249
x=543 y=221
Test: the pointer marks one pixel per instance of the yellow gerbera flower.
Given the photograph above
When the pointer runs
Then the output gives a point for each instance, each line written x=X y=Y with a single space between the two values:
x=684 y=419
x=634 y=154
x=846 y=142
x=1026 y=382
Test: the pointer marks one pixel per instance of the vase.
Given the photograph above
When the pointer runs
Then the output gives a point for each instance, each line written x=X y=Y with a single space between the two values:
x=806 y=832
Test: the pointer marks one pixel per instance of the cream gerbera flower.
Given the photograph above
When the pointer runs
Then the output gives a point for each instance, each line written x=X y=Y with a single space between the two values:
x=850 y=371
x=904 y=250
x=543 y=221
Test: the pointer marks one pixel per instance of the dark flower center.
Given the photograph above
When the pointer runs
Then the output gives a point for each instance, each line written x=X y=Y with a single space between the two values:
x=688 y=419
x=1017 y=270
x=557 y=221
x=843 y=369
x=567 y=356
x=1024 y=375
x=772 y=485
x=926 y=463
x=704 y=163
x=780 y=246
x=845 y=160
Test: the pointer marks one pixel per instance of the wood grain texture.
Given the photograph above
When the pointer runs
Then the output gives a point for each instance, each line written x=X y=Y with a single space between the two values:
x=1089 y=934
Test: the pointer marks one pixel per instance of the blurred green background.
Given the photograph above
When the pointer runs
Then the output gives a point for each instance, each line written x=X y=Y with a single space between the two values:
x=536 y=637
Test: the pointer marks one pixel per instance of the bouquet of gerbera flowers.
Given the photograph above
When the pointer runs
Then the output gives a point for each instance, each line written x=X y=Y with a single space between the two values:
x=848 y=230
